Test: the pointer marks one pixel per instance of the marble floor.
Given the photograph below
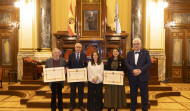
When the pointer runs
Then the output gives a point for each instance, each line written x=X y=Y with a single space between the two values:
x=170 y=103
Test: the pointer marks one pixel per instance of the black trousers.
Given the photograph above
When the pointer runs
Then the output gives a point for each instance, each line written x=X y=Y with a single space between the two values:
x=95 y=96
x=56 y=88
x=144 y=94
x=80 y=93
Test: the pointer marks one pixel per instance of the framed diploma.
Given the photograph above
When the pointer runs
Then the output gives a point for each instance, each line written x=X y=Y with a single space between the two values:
x=77 y=75
x=113 y=77
x=54 y=74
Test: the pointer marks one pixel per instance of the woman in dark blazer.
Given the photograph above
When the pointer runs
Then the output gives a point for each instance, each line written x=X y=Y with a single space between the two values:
x=115 y=94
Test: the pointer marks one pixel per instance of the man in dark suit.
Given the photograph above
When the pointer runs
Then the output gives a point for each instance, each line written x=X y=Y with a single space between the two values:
x=91 y=21
x=138 y=63
x=77 y=60
x=56 y=87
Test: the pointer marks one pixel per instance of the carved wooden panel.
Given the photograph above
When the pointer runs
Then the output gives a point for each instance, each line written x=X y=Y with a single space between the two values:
x=5 y=18
x=66 y=43
x=181 y=18
x=174 y=34
x=66 y=48
x=113 y=43
x=177 y=52
x=181 y=34
x=188 y=34
x=109 y=52
x=90 y=49
x=7 y=2
x=6 y=51
x=91 y=1
x=153 y=71
x=188 y=73
x=176 y=73
x=6 y=33
x=188 y=52
x=66 y=53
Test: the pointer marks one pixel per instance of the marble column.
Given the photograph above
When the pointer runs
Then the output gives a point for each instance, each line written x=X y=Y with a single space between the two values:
x=45 y=24
x=136 y=31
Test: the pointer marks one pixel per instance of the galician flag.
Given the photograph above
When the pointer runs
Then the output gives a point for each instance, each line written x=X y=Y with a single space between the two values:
x=116 y=20
x=71 y=22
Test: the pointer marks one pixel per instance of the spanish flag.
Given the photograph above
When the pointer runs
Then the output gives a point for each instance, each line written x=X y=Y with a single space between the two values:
x=71 y=21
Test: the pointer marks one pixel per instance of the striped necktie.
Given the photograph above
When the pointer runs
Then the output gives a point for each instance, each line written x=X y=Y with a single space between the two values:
x=78 y=58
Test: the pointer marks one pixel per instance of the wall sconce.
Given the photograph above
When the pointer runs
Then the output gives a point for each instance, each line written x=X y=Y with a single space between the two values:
x=165 y=3
x=17 y=4
x=20 y=3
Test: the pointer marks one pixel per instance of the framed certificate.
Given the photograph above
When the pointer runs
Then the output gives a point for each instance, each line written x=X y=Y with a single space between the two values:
x=113 y=77
x=54 y=74
x=77 y=75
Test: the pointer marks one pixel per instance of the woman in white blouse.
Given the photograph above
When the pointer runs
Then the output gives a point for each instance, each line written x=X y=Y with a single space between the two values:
x=95 y=79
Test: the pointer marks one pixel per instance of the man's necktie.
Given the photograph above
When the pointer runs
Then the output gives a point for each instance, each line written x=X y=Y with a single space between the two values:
x=78 y=58
x=137 y=52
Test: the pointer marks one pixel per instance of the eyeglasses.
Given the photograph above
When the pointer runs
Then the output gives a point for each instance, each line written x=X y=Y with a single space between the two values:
x=136 y=44
x=78 y=47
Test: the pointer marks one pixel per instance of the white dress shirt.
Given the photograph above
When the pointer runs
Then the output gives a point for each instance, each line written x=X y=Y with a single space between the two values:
x=136 y=57
x=76 y=55
x=95 y=71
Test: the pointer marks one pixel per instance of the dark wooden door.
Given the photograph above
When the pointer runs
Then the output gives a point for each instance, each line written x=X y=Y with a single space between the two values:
x=179 y=55
x=186 y=66
x=8 y=39
x=177 y=40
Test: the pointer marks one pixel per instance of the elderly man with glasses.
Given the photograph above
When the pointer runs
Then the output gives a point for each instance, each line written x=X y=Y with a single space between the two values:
x=77 y=60
x=138 y=63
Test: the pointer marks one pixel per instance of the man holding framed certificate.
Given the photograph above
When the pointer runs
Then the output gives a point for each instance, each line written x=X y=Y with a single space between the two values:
x=77 y=60
x=56 y=87
x=76 y=75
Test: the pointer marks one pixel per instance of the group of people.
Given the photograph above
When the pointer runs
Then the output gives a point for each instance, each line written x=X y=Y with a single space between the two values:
x=137 y=62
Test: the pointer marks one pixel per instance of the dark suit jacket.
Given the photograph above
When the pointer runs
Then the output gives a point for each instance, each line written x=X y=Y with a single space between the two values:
x=49 y=64
x=72 y=63
x=121 y=64
x=143 y=63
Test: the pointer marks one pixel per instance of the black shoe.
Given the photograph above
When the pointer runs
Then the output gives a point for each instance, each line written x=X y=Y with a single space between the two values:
x=71 y=108
x=82 y=108
x=60 y=109
x=109 y=109
x=115 y=109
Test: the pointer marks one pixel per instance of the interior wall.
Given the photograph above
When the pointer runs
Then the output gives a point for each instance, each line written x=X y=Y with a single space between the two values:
x=29 y=32
x=26 y=17
x=124 y=17
x=153 y=33
x=60 y=12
